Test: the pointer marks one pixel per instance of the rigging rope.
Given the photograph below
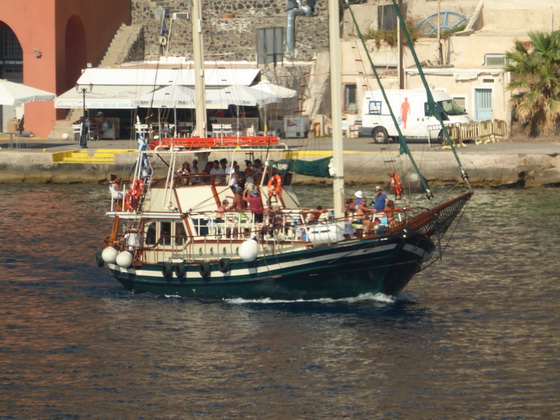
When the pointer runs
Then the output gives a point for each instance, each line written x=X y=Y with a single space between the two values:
x=402 y=142
x=433 y=107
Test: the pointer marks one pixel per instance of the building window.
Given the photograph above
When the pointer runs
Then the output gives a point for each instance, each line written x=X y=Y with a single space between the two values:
x=270 y=46
x=10 y=50
x=350 y=102
x=461 y=101
x=495 y=60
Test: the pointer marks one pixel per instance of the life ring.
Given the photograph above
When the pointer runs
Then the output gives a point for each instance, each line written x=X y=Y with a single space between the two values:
x=204 y=269
x=167 y=270
x=133 y=195
x=180 y=271
x=275 y=185
x=396 y=184
x=225 y=265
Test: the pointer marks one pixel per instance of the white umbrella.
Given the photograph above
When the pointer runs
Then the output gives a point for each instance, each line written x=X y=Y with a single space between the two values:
x=168 y=97
x=15 y=94
x=241 y=95
x=273 y=89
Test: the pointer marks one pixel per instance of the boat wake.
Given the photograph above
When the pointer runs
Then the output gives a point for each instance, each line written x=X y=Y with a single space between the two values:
x=365 y=297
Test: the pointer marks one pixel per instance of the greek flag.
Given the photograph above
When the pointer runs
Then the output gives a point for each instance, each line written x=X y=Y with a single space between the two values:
x=145 y=162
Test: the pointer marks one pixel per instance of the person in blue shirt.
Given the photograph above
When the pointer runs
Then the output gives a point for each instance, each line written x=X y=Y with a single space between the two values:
x=380 y=199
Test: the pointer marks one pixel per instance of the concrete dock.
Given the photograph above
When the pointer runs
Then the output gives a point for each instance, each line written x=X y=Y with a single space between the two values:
x=35 y=160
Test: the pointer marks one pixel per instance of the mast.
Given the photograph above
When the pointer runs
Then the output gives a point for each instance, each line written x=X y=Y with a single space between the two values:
x=336 y=108
x=199 y=80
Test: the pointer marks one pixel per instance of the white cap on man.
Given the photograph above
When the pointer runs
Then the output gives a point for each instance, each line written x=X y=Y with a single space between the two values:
x=358 y=194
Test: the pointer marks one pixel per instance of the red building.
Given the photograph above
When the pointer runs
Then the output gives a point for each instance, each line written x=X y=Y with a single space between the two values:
x=46 y=43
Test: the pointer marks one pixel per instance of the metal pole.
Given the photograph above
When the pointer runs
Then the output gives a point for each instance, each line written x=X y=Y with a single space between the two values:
x=83 y=134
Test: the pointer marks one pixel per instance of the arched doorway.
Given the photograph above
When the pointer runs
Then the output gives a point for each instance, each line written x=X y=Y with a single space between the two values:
x=11 y=68
x=75 y=51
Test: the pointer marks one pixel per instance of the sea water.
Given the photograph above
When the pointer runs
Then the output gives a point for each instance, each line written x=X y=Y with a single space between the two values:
x=476 y=335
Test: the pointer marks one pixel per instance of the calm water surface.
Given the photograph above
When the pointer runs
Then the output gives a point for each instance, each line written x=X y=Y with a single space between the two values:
x=476 y=336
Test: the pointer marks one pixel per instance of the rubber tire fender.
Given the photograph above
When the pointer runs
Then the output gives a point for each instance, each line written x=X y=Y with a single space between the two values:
x=180 y=271
x=99 y=259
x=167 y=270
x=225 y=265
x=204 y=270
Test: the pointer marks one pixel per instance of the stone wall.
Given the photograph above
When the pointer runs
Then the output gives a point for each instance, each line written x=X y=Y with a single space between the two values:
x=229 y=28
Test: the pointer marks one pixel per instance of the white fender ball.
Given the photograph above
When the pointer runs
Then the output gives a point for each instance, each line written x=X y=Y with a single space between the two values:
x=64 y=136
x=124 y=259
x=249 y=250
x=109 y=255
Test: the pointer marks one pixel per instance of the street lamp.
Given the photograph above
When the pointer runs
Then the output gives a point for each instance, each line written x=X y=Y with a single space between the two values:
x=83 y=134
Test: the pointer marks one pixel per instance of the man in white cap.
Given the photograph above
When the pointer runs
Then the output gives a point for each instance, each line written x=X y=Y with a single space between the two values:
x=358 y=200
x=380 y=199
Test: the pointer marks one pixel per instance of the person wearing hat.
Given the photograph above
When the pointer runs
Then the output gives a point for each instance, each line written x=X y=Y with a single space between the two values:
x=380 y=199
x=357 y=201
x=255 y=204
x=101 y=124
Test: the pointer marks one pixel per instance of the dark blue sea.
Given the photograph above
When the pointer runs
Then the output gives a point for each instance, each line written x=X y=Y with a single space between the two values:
x=476 y=336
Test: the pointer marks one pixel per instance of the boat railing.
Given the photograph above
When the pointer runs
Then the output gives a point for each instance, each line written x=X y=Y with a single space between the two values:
x=208 y=236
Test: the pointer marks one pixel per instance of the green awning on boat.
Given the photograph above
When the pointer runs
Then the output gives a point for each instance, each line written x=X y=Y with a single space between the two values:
x=318 y=168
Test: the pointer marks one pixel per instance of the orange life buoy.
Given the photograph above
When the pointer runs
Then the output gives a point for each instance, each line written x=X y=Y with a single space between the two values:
x=275 y=185
x=133 y=195
x=396 y=184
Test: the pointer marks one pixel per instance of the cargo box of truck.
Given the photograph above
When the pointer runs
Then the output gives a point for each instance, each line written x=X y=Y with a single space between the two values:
x=412 y=113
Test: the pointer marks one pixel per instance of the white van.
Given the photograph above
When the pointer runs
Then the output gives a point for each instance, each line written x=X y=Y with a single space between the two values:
x=411 y=110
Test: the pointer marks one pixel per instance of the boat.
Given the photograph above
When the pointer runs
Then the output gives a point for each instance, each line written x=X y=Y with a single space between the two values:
x=171 y=235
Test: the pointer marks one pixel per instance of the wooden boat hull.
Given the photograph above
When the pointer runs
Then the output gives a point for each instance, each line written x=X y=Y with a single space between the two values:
x=374 y=265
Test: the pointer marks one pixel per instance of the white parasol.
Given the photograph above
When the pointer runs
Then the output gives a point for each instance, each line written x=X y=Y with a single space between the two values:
x=16 y=94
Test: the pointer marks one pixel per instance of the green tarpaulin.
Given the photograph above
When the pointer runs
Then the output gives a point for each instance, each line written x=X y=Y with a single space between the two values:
x=318 y=168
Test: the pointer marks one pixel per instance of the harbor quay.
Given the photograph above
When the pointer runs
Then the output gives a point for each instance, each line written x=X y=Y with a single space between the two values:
x=499 y=164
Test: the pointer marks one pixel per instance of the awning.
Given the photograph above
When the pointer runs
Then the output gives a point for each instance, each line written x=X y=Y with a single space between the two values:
x=215 y=78
x=103 y=97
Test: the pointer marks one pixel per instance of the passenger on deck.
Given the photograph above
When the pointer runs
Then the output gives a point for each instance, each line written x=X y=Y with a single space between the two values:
x=250 y=172
x=238 y=202
x=185 y=169
x=216 y=169
x=116 y=192
x=380 y=199
x=132 y=239
x=363 y=214
x=194 y=168
x=389 y=210
x=313 y=215
x=357 y=201
x=348 y=207
x=255 y=204
x=208 y=168
x=222 y=208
